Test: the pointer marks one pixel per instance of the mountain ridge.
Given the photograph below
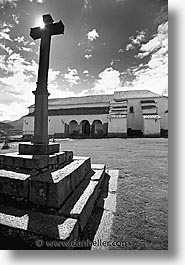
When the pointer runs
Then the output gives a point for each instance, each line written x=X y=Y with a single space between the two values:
x=16 y=124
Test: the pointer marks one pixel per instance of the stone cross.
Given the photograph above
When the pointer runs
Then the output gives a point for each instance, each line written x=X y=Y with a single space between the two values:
x=41 y=93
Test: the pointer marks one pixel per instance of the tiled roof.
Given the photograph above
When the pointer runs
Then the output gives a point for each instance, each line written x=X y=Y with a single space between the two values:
x=130 y=94
x=80 y=100
x=118 y=96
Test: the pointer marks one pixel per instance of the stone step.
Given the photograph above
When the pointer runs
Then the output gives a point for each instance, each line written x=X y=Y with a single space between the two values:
x=50 y=189
x=80 y=204
x=35 y=223
x=106 y=205
x=68 y=204
x=66 y=224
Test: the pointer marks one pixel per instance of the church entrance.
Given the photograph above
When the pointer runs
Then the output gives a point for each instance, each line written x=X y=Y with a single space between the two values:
x=134 y=133
x=97 y=128
x=73 y=128
x=85 y=128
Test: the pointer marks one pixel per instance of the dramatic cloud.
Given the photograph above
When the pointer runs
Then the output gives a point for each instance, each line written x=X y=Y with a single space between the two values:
x=158 y=44
x=120 y=50
x=5 y=38
x=93 y=56
x=13 y=110
x=17 y=86
x=154 y=74
x=87 y=56
x=4 y=34
x=19 y=76
x=92 y=35
x=108 y=81
x=12 y=2
x=87 y=5
x=26 y=49
x=15 y=18
x=72 y=77
x=136 y=41
x=88 y=51
x=87 y=43
x=21 y=40
x=53 y=86
x=38 y=1
x=114 y=61
x=5 y=48
x=129 y=46
x=70 y=93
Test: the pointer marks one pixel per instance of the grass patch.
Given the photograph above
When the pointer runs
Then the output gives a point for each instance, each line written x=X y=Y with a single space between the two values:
x=141 y=218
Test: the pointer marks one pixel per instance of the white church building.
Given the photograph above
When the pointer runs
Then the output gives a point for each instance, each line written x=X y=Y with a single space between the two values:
x=133 y=113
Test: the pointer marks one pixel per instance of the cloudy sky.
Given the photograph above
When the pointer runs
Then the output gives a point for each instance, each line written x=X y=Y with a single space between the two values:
x=108 y=45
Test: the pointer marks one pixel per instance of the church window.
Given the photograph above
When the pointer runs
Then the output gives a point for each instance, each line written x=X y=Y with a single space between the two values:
x=131 y=109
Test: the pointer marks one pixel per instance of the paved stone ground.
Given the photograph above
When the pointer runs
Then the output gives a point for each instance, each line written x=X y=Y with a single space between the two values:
x=141 y=216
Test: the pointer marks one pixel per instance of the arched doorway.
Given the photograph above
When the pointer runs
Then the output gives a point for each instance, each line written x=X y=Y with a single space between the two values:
x=97 y=128
x=73 y=128
x=85 y=128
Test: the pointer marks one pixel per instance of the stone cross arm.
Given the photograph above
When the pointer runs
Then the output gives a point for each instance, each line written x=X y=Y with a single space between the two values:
x=52 y=29
x=41 y=93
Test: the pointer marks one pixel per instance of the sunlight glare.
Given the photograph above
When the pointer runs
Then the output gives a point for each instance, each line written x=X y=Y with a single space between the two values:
x=40 y=23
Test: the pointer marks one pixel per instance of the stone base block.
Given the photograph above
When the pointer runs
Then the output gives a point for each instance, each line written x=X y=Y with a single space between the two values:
x=14 y=183
x=17 y=161
x=51 y=188
x=17 y=170
x=38 y=149
x=65 y=225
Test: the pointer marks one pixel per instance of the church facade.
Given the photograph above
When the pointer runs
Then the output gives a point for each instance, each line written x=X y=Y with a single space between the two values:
x=123 y=114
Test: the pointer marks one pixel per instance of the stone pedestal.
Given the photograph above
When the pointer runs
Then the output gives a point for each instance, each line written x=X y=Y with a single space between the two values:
x=70 y=210
x=16 y=161
x=38 y=149
x=47 y=196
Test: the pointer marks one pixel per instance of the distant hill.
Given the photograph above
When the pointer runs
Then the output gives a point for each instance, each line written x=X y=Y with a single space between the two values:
x=5 y=126
x=6 y=121
x=17 y=124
